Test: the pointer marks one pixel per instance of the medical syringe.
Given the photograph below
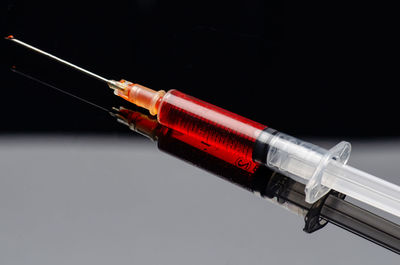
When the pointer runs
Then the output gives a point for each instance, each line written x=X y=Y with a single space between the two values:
x=242 y=139
x=260 y=180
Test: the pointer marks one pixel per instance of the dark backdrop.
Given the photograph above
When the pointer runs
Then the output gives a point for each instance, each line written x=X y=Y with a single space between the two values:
x=318 y=69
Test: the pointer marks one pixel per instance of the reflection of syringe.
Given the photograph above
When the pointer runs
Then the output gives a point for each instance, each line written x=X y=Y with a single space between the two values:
x=241 y=138
x=280 y=189
x=144 y=125
x=258 y=179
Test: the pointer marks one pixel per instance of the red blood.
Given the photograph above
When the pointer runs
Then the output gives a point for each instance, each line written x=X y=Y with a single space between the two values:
x=211 y=125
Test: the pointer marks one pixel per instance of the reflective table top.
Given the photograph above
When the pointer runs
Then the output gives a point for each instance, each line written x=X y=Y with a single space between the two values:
x=119 y=200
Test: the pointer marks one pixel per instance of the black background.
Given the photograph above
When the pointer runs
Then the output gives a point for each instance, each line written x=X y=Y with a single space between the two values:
x=321 y=68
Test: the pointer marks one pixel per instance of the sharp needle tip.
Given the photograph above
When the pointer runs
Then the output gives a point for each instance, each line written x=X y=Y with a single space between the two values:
x=9 y=37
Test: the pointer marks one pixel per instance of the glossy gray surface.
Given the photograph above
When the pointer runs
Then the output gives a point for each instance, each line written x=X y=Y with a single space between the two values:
x=91 y=200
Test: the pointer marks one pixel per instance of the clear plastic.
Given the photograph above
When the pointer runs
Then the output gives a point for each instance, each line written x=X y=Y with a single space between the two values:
x=322 y=170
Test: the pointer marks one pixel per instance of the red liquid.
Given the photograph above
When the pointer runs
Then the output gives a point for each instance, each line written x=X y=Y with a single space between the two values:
x=211 y=125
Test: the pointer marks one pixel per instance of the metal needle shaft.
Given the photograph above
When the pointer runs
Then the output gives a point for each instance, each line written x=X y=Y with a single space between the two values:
x=11 y=38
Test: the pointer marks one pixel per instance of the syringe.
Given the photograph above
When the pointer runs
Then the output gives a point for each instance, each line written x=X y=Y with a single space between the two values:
x=240 y=138
x=261 y=180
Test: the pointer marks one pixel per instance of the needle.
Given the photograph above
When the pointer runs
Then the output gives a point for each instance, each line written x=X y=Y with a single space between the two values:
x=11 y=38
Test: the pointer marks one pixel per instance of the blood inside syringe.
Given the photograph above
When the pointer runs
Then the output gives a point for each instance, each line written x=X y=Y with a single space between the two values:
x=214 y=126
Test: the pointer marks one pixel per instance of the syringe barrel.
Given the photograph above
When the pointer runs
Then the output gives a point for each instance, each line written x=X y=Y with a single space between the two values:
x=239 y=139
x=210 y=124
x=294 y=157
